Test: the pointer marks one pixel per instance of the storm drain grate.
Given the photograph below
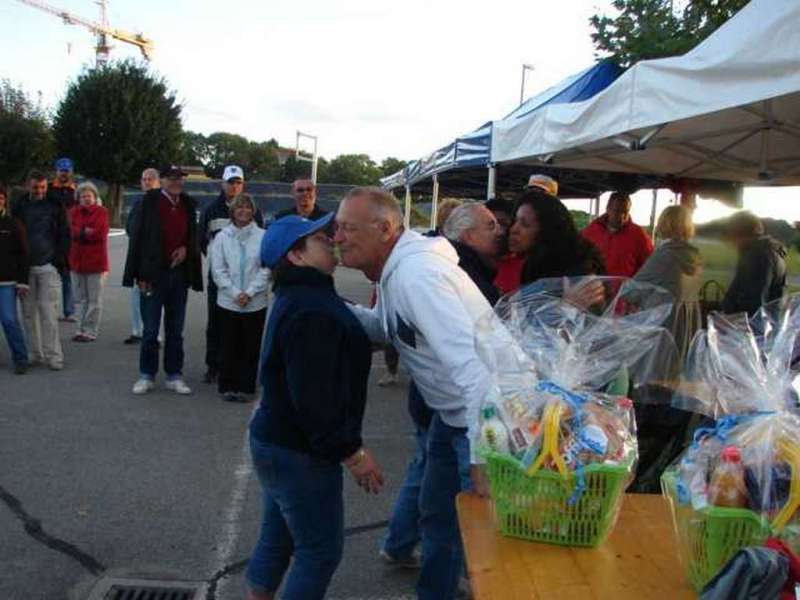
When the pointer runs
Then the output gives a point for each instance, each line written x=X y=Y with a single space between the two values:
x=149 y=592
x=129 y=588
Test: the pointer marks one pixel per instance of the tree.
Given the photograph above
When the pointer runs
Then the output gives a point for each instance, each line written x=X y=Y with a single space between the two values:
x=352 y=169
x=646 y=29
x=391 y=165
x=263 y=161
x=25 y=136
x=194 y=149
x=117 y=120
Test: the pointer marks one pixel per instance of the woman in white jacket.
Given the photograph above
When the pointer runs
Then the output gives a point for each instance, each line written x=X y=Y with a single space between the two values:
x=242 y=299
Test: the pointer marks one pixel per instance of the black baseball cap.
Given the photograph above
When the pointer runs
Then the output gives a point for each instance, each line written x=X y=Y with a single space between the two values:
x=172 y=171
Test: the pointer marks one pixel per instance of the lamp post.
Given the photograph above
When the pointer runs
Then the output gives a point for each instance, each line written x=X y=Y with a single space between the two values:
x=525 y=69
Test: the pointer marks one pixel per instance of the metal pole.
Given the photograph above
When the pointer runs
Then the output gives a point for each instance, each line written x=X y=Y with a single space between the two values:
x=407 y=219
x=653 y=214
x=435 y=202
x=525 y=67
x=491 y=184
x=314 y=164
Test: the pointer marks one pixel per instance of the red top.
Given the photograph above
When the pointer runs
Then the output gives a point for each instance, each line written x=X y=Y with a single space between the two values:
x=174 y=225
x=88 y=251
x=624 y=251
x=509 y=273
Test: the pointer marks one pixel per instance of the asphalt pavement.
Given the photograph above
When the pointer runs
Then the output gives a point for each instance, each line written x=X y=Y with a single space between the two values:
x=97 y=482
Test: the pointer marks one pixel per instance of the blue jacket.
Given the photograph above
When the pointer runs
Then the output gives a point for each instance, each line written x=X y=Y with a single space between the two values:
x=315 y=362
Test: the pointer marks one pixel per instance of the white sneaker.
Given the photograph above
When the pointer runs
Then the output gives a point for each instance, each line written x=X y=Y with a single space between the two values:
x=142 y=386
x=388 y=380
x=178 y=386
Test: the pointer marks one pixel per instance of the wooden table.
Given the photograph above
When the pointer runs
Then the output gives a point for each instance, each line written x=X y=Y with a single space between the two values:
x=638 y=561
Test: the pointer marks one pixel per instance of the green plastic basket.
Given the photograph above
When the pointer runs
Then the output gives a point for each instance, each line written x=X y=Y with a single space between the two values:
x=535 y=507
x=709 y=537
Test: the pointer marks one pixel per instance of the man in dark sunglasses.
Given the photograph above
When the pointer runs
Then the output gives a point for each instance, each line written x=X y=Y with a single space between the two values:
x=305 y=201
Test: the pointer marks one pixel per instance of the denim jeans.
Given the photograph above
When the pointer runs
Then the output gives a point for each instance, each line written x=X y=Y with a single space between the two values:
x=169 y=293
x=9 y=318
x=403 y=535
x=303 y=520
x=446 y=474
x=67 y=299
x=135 y=305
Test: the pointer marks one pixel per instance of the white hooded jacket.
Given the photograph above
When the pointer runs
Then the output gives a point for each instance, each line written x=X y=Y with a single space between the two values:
x=236 y=267
x=427 y=307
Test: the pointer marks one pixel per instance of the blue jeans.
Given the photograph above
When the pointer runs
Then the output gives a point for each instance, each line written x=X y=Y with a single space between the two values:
x=303 y=519
x=403 y=534
x=9 y=318
x=169 y=293
x=67 y=299
x=446 y=474
x=135 y=305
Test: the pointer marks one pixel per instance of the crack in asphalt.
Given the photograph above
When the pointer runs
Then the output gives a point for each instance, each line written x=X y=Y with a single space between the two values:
x=33 y=527
x=239 y=565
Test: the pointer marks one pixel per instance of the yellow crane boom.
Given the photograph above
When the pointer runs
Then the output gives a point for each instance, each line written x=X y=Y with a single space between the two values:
x=102 y=30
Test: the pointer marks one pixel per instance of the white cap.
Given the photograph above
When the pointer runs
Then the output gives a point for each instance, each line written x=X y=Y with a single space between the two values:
x=232 y=172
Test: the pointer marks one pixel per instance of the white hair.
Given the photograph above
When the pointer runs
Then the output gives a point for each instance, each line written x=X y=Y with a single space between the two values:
x=88 y=186
x=384 y=205
x=462 y=219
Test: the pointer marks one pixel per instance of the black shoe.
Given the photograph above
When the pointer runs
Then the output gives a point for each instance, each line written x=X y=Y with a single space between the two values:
x=20 y=369
x=230 y=397
x=210 y=376
x=134 y=339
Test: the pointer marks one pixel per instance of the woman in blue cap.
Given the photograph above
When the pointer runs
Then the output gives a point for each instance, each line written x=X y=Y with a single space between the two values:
x=315 y=361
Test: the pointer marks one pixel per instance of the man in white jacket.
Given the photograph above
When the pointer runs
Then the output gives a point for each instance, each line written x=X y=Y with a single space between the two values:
x=427 y=308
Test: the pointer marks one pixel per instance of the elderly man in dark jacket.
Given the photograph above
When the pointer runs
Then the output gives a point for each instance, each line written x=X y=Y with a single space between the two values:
x=164 y=261
x=761 y=270
x=214 y=219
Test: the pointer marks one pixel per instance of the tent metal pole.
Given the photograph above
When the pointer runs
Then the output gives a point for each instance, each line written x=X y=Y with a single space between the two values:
x=407 y=218
x=435 y=201
x=653 y=214
x=491 y=183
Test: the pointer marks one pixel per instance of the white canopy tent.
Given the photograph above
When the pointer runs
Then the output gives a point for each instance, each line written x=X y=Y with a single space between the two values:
x=729 y=110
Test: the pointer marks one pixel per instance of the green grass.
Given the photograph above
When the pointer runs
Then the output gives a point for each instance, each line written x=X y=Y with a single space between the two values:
x=719 y=261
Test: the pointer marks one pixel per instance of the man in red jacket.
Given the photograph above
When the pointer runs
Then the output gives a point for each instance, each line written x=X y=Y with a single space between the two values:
x=624 y=245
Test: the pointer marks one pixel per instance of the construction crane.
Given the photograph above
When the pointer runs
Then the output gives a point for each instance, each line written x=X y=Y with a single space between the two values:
x=102 y=30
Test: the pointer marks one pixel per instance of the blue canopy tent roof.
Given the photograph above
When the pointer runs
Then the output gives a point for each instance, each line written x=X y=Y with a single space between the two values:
x=465 y=160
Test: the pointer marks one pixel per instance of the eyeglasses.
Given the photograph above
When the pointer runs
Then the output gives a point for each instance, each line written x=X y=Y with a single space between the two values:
x=304 y=190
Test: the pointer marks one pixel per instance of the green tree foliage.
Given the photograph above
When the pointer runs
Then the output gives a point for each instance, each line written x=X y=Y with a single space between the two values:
x=115 y=121
x=646 y=29
x=391 y=165
x=25 y=136
x=352 y=169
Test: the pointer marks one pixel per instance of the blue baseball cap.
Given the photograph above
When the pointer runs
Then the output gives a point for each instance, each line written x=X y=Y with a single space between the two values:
x=64 y=164
x=283 y=234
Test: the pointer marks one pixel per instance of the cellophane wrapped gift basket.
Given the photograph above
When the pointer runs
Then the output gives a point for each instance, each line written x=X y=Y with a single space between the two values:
x=558 y=431
x=737 y=483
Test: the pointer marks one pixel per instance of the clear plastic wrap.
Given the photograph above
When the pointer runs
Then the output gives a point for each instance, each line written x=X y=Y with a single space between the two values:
x=738 y=481
x=561 y=354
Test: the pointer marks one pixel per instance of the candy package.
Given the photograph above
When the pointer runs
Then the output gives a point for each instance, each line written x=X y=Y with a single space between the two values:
x=738 y=482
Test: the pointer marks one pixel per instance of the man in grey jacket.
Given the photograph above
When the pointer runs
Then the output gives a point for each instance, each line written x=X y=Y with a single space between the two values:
x=427 y=308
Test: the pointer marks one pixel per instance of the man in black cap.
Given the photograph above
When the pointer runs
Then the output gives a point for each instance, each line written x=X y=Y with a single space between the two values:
x=215 y=218
x=164 y=261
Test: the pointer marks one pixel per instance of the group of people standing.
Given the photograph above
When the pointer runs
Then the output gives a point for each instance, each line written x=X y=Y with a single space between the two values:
x=54 y=245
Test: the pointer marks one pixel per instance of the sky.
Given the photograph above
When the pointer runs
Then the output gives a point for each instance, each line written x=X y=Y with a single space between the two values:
x=366 y=76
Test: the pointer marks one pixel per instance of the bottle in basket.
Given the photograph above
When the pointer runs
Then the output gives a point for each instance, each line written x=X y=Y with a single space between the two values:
x=727 y=487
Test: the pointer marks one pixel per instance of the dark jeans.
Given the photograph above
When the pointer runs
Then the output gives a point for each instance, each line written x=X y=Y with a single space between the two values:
x=303 y=520
x=169 y=294
x=67 y=299
x=446 y=474
x=403 y=535
x=241 y=346
x=213 y=345
x=9 y=319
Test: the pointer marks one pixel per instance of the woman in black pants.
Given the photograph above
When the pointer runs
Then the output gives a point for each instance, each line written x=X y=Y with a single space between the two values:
x=241 y=301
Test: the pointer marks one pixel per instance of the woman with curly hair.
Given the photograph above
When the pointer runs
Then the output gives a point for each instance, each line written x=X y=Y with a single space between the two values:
x=545 y=234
